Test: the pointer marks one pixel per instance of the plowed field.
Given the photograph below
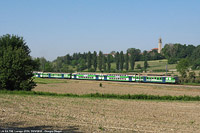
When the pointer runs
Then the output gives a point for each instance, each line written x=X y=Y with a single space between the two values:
x=25 y=112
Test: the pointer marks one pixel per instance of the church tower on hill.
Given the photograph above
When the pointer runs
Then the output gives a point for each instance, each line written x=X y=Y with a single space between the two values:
x=159 y=45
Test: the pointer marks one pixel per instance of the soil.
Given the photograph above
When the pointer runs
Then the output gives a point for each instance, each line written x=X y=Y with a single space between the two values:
x=23 y=112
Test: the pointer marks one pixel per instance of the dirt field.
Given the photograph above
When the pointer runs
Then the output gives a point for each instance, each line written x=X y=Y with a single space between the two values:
x=22 y=112
x=97 y=115
x=85 y=87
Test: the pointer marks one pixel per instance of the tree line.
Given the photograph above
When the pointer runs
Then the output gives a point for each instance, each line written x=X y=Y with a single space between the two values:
x=123 y=62
x=99 y=62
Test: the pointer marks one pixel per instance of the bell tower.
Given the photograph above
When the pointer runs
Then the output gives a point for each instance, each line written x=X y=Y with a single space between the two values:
x=159 y=45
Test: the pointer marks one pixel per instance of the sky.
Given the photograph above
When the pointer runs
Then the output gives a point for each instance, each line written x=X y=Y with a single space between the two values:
x=53 y=28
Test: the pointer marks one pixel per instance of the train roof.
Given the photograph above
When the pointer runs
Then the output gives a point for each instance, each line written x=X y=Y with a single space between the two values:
x=111 y=74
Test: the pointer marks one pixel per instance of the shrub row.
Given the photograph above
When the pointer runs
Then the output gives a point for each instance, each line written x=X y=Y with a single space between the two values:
x=111 y=96
x=189 y=80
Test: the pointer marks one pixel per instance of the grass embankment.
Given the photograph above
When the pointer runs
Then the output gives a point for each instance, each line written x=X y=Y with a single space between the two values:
x=110 y=96
x=194 y=84
x=49 y=80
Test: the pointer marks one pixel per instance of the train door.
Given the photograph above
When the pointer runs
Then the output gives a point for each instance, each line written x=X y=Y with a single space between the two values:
x=144 y=79
x=130 y=78
x=164 y=79
x=97 y=77
x=105 y=77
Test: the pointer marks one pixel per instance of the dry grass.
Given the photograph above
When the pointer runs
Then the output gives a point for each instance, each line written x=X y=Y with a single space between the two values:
x=85 y=87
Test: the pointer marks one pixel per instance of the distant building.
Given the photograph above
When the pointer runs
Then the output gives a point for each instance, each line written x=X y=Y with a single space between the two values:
x=159 y=45
x=153 y=49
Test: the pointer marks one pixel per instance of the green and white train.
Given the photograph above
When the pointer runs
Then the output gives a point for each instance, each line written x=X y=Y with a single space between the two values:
x=109 y=77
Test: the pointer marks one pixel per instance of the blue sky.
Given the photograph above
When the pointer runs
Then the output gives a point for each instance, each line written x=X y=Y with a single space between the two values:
x=54 y=28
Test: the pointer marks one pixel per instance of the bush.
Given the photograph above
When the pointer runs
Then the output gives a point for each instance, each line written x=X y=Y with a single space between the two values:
x=197 y=80
x=172 y=61
x=138 y=66
x=100 y=85
x=160 y=70
x=91 y=70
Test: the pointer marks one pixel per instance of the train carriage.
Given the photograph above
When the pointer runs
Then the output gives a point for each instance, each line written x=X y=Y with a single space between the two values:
x=91 y=76
x=51 y=75
x=109 y=77
x=116 y=77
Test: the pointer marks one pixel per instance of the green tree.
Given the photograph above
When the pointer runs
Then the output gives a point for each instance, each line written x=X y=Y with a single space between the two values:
x=58 y=64
x=67 y=59
x=132 y=60
x=145 y=55
x=104 y=62
x=145 y=65
x=138 y=66
x=135 y=52
x=100 y=60
x=95 y=60
x=117 y=60
x=44 y=65
x=196 y=64
x=127 y=61
x=109 y=62
x=89 y=60
x=121 y=60
x=196 y=54
x=16 y=64
x=49 y=67
x=182 y=67
x=82 y=65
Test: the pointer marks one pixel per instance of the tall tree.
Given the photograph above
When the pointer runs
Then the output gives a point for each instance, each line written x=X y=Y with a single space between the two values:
x=117 y=60
x=58 y=64
x=67 y=59
x=127 y=61
x=136 y=53
x=16 y=64
x=82 y=65
x=104 y=62
x=89 y=60
x=121 y=60
x=132 y=61
x=182 y=67
x=100 y=60
x=43 y=62
x=109 y=62
x=95 y=60
x=196 y=54
x=145 y=65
